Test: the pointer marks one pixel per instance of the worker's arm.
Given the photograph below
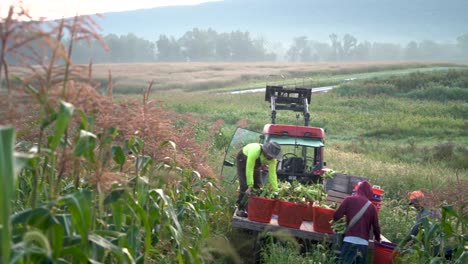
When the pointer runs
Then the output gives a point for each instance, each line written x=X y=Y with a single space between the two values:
x=272 y=177
x=249 y=169
x=339 y=213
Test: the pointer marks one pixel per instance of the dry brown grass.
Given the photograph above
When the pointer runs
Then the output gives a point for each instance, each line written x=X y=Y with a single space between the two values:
x=444 y=195
x=180 y=75
x=133 y=119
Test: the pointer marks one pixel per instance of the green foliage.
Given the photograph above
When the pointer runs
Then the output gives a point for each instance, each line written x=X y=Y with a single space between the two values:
x=124 y=48
x=283 y=253
x=72 y=201
x=209 y=45
x=396 y=219
x=7 y=182
x=449 y=154
x=438 y=237
x=221 y=140
x=142 y=221
x=194 y=45
x=437 y=86
x=287 y=250
x=266 y=191
x=178 y=217
x=439 y=93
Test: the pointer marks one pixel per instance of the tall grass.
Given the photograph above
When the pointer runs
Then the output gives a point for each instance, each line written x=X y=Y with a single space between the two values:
x=408 y=132
x=437 y=86
x=397 y=178
x=281 y=248
x=133 y=78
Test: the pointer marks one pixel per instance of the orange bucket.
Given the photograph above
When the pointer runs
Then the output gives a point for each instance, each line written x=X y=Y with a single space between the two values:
x=384 y=253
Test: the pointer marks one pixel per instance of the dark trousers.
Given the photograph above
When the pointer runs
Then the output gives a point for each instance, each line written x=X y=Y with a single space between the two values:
x=352 y=253
x=241 y=167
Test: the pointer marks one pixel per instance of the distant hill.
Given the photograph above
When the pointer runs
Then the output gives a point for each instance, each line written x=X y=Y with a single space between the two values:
x=282 y=20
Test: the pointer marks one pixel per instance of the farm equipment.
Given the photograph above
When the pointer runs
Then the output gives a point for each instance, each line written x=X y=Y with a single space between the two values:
x=302 y=160
x=302 y=145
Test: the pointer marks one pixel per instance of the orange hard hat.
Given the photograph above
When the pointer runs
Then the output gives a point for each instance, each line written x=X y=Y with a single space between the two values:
x=416 y=195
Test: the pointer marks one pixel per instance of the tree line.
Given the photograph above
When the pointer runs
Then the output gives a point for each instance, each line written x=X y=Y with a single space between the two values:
x=348 y=48
x=209 y=45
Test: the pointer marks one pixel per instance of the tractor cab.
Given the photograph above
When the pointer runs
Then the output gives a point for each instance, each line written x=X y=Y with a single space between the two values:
x=302 y=149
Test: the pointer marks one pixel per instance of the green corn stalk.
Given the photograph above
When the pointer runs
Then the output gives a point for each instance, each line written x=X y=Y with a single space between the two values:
x=10 y=165
x=79 y=204
x=143 y=215
x=7 y=179
x=64 y=116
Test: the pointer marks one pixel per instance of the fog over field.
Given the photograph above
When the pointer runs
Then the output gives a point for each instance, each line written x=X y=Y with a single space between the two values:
x=278 y=21
x=295 y=31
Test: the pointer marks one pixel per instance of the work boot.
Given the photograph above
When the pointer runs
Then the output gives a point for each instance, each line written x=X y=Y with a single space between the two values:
x=241 y=213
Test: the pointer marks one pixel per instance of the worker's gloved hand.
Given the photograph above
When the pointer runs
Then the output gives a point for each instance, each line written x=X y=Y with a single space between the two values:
x=248 y=191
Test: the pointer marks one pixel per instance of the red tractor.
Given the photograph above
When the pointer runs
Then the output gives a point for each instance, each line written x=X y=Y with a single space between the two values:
x=302 y=145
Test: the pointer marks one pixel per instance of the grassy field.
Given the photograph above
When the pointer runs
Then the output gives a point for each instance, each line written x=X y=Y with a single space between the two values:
x=390 y=127
x=133 y=78
x=380 y=128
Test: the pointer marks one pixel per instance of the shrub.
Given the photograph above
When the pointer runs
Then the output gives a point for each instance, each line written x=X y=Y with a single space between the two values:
x=438 y=86
x=438 y=93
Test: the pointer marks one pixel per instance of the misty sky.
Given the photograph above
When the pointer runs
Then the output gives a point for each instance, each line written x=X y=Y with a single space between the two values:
x=68 y=8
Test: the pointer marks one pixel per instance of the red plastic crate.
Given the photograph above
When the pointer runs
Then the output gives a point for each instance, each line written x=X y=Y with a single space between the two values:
x=322 y=218
x=260 y=209
x=291 y=214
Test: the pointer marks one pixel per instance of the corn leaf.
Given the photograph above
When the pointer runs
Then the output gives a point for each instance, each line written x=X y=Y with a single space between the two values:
x=85 y=145
x=107 y=246
x=63 y=118
x=118 y=155
x=76 y=253
x=57 y=235
x=79 y=205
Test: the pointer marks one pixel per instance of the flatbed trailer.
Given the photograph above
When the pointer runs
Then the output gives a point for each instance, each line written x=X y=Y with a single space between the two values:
x=306 y=231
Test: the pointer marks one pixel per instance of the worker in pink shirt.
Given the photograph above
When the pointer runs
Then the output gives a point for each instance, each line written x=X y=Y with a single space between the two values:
x=356 y=238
